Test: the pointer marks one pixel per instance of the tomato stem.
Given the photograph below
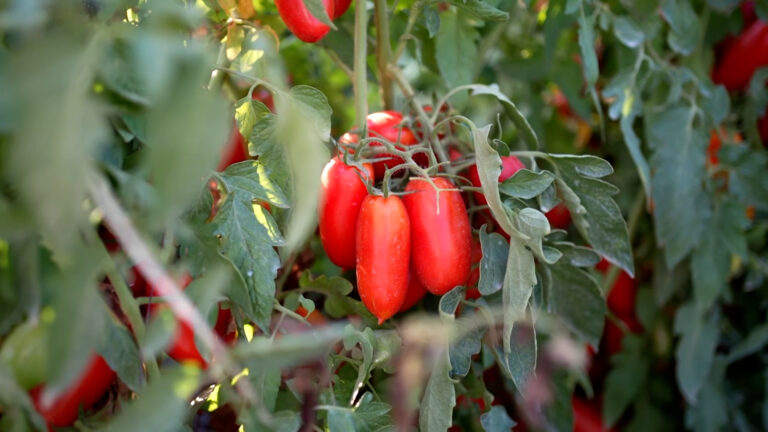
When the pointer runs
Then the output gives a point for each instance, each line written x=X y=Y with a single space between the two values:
x=383 y=53
x=360 y=82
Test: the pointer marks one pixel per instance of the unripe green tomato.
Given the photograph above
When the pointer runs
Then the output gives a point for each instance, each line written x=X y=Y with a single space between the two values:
x=25 y=352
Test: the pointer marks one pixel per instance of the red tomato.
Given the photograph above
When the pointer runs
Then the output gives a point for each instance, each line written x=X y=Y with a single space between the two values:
x=474 y=275
x=301 y=22
x=342 y=194
x=416 y=291
x=509 y=166
x=385 y=125
x=86 y=391
x=586 y=418
x=340 y=7
x=745 y=54
x=315 y=318
x=182 y=348
x=621 y=301
x=235 y=151
x=383 y=252
x=441 y=238
x=559 y=217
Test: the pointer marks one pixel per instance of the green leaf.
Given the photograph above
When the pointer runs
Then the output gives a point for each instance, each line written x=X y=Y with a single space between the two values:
x=519 y=280
x=16 y=404
x=317 y=9
x=575 y=297
x=122 y=355
x=578 y=256
x=266 y=382
x=622 y=385
x=365 y=339
x=368 y=415
x=711 y=259
x=602 y=223
x=511 y=110
x=488 y=165
x=495 y=252
x=587 y=48
x=520 y=362
x=717 y=104
x=635 y=150
x=162 y=405
x=685 y=25
x=681 y=206
x=57 y=129
x=747 y=179
x=185 y=130
x=710 y=413
x=247 y=234
x=77 y=315
x=439 y=398
x=695 y=350
x=290 y=349
x=481 y=9
x=527 y=184
x=251 y=178
x=627 y=31
x=497 y=420
x=455 y=49
x=304 y=125
x=750 y=344
x=535 y=226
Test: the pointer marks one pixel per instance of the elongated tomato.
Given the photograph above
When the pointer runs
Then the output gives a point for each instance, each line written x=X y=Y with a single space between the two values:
x=383 y=252
x=440 y=238
x=340 y=6
x=86 y=391
x=342 y=194
x=509 y=166
x=301 y=22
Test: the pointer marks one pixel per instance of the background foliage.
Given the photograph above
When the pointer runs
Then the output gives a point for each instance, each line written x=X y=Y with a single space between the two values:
x=115 y=108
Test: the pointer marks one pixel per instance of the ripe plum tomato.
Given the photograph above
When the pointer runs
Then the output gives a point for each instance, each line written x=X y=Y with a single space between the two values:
x=743 y=56
x=86 y=391
x=441 y=238
x=559 y=217
x=340 y=7
x=315 y=318
x=301 y=22
x=342 y=194
x=386 y=125
x=509 y=166
x=225 y=326
x=383 y=252
x=416 y=291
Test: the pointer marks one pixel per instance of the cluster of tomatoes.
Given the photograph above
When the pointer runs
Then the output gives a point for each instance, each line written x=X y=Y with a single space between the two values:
x=401 y=245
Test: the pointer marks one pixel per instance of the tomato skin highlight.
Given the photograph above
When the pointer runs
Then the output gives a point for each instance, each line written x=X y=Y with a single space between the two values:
x=744 y=55
x=383 y=254
x=440 y=240
x=301 y=22
x=385 y=125
x=86 y=391
x=342 y=194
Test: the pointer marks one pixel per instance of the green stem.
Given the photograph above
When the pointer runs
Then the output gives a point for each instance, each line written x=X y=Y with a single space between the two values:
x=413 y=17
x=216 y=75
x=384 y=53
x=360 y=82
